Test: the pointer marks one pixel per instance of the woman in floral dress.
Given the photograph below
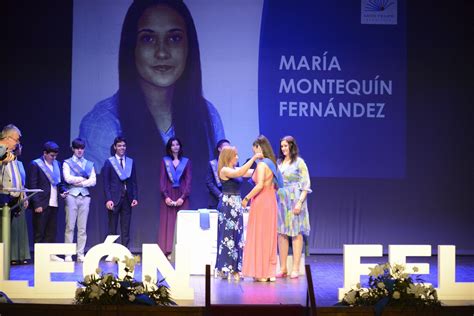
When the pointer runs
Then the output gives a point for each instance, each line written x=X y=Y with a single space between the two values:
x=293 y=218
x=231 y=223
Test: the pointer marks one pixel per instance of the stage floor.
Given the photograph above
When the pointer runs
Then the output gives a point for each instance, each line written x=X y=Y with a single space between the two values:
x=327 y=271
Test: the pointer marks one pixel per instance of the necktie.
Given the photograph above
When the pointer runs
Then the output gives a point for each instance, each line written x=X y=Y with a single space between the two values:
x=121 y=163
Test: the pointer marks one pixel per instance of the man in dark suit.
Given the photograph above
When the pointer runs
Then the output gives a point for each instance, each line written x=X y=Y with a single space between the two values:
x=120 y=186
x=213 y=182
x=45 y=173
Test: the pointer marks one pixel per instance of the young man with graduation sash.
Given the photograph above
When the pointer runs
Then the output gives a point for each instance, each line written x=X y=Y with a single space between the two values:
x=175 y=187
x=79 y=174
x=213 y=182
x=120 y=187
x=44 y=173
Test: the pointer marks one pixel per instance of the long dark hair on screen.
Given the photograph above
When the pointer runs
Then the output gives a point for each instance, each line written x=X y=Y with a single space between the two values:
x=190 y=113
x=191 y=119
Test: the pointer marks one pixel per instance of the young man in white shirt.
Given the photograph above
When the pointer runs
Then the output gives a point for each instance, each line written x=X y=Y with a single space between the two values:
x=79 y=175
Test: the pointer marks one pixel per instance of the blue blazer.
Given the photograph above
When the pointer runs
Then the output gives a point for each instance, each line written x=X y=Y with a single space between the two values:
x=113 y=186
x=36 y=179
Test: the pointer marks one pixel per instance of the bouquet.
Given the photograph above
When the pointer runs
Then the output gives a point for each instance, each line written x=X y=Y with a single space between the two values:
x=107 y=289
x=392 y=286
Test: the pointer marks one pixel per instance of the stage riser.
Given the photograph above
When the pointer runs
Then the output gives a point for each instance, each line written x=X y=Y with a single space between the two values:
x=227 y=310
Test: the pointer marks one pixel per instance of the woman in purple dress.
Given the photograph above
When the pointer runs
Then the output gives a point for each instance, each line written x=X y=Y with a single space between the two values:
x=175 y=187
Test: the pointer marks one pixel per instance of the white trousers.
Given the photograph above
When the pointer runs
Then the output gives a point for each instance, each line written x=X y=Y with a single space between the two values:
x=77 y=209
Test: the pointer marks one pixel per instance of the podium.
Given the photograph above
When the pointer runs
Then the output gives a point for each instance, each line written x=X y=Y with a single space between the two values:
x=203 y=241
x=6 y=223
x=203 y=249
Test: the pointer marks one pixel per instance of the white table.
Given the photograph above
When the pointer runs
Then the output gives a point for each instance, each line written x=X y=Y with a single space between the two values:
x=203 y=243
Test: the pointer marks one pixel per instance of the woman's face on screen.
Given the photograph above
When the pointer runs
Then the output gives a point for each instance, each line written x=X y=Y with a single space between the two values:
x=162 y=46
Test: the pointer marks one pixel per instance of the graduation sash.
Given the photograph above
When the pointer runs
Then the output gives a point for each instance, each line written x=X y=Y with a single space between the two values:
x=78 y=170
x=277 y=176
x=21 y=168
x=213 y=164
x=123 y=174
x=54 y=176
x=174 y=174
x=16 y=176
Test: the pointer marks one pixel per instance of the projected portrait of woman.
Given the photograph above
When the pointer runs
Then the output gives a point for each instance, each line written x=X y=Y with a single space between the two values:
x=160 y=89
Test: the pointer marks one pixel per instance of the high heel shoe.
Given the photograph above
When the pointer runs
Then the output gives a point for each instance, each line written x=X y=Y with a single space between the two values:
x=294 y=275
x=260 y=279
x=236 y=276
x=281 y=274
x=221 y=275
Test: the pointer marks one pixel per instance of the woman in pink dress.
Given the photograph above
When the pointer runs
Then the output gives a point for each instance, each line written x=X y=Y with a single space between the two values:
x=175 y=187
x=260 y=251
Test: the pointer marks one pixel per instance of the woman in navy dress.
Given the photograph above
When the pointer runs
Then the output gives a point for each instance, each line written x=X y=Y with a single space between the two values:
x=231 y=224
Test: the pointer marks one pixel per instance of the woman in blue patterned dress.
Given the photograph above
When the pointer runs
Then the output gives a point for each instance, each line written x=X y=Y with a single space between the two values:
x=293 y=218
x=231 y=223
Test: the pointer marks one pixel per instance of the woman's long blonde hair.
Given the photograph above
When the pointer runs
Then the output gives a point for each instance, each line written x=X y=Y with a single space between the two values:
x=227 y=154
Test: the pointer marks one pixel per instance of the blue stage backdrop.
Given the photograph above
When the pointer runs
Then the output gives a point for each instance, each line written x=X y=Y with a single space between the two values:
x=336 y=80
x=375 y=92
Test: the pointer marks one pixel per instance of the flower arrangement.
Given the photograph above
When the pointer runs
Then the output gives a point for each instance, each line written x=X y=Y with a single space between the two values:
x=107 y=289
x=392 y=286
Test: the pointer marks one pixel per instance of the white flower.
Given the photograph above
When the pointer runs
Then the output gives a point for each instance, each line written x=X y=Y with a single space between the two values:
x=98 y=270
x=377 y=270
x=147 y=278
x=381 y=285
x=95 y=288
x=396 y=295
x=131 y=297
x=130 y=262
x=150 y=286
x=96 y=291
x=416 y=289
x=87 y=278
x=350 y=297
x=112 y=292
